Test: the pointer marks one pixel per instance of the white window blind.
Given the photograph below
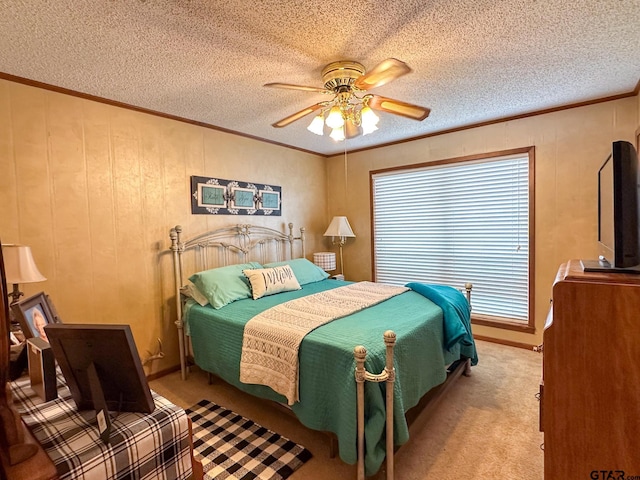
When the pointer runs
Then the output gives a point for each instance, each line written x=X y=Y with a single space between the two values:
x=457 y=223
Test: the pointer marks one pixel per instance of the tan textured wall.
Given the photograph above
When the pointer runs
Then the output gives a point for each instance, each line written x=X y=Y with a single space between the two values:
x=570 y=147
x=94 y=190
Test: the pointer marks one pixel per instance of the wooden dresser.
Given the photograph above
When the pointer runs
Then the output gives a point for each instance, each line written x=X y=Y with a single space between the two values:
x=590 y=392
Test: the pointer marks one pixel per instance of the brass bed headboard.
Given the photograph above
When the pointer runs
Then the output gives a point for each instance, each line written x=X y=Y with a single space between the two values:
x=239 y=243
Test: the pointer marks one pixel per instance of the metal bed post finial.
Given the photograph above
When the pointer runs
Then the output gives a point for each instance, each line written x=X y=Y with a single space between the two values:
x=174 y=235
x=468 y=287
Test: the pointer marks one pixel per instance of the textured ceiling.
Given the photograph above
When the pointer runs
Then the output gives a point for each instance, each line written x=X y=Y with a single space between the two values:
x=207 y=60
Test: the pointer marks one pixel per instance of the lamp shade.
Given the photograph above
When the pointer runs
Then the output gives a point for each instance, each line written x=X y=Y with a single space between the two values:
x=325 y=260
x=339 y=227
x=19 y=265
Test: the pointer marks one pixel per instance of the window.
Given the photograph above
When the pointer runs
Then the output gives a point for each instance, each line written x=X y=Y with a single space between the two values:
x=458 y=221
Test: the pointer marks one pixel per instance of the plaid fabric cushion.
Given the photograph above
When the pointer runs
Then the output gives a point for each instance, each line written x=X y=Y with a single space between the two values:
x=233 y=447
x=142 y=446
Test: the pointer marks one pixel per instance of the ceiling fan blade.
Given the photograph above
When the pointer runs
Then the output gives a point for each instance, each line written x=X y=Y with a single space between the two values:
x=351 y=130
x=384 y=72
x=298 y=115
x=389 y=105
x=291 y=86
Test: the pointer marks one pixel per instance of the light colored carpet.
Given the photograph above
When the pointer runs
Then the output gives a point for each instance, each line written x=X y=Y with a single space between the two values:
x=486 y=428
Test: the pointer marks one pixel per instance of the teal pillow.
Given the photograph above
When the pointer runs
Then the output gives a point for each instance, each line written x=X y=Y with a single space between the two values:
x=224 y=285
x=304 y=270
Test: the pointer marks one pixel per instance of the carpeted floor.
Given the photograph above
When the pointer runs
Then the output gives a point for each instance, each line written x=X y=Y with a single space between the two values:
x=486 y=428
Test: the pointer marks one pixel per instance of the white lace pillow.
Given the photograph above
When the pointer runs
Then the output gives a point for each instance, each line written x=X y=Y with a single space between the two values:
x=267 y=281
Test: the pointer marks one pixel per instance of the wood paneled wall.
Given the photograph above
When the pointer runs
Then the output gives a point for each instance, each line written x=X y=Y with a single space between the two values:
x=94 y=190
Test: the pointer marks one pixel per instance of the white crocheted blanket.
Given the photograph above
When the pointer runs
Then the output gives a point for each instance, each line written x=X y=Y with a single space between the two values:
x=272 y=338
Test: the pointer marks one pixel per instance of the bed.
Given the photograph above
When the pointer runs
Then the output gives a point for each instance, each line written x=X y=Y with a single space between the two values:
x=213 y=337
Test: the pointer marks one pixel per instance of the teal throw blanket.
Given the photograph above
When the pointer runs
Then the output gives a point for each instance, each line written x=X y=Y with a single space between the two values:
x=456 y=312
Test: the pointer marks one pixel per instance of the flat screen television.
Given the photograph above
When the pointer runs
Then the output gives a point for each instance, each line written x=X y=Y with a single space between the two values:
x=618 y=212
x=102 y=368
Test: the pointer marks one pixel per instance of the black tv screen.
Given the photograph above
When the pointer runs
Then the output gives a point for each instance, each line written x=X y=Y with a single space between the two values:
x=618 y=209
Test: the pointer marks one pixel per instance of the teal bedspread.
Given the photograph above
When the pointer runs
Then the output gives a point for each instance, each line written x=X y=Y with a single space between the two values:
x=327 y=385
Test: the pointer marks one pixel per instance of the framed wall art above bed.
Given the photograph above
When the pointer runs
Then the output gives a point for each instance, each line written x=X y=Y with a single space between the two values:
x=216 y=196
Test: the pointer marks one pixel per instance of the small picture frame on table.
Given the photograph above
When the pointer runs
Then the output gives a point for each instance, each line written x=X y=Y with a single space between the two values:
x=33 y=314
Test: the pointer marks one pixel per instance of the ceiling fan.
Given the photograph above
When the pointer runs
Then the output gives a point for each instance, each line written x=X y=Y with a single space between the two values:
x=350 y=112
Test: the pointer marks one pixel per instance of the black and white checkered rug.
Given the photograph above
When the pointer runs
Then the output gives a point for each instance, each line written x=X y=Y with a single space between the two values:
x=232 y=447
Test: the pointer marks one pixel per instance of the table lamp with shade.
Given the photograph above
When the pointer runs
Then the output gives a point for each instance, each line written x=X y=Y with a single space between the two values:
x=20 y=268
x=339 y=230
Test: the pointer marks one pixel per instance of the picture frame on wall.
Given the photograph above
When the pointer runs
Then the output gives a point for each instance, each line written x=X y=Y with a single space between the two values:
x=217 y=196
x=33 y=314
x=243 y=198
x=212 y=196
x=269 y=199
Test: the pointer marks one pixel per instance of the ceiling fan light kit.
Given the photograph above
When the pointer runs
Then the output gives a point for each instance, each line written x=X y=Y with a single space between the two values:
x=351 y=111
